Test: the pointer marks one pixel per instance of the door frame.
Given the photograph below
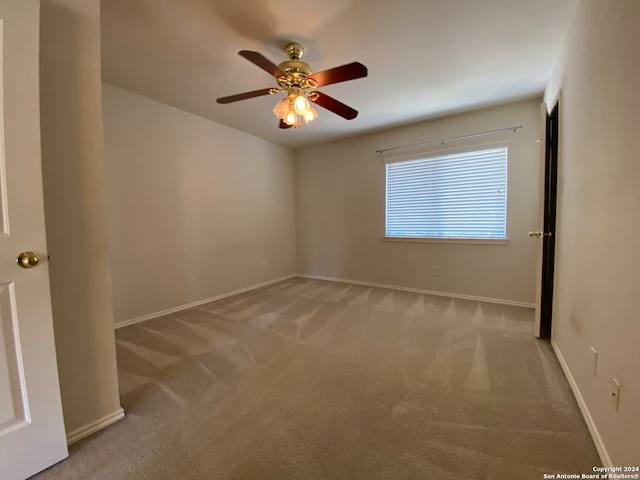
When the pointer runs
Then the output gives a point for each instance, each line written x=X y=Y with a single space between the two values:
x=549 y=220
x=548 y=214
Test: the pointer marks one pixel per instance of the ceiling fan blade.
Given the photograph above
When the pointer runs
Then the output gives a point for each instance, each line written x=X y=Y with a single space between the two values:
x=284 y=125
x=244 y=96
x=333 y=105
x=350 y=71
x=262 y=62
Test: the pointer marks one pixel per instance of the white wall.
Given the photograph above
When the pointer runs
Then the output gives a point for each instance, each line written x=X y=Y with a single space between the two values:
x=76 y=210
x=191 y=197
x=597 y=292
x=340 y=195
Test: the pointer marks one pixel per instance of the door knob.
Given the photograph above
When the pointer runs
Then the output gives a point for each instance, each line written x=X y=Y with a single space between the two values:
x=539 y=234
x=28 y=259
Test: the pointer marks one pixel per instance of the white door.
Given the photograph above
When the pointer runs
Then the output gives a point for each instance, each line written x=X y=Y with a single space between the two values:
x=32 y=433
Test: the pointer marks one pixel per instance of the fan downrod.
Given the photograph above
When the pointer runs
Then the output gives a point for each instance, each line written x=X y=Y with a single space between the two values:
x=294 y=51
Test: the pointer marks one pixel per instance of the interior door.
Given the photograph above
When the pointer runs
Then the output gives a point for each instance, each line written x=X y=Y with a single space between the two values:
x=544 y=301
x=32 y=435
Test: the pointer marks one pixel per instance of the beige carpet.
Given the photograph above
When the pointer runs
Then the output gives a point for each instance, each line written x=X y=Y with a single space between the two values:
x=309 y=379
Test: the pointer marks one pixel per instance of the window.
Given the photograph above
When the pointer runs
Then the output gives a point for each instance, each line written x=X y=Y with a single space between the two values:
x=461 y=195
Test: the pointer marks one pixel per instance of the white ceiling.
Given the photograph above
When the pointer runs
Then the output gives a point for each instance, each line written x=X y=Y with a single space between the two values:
x=426 y=58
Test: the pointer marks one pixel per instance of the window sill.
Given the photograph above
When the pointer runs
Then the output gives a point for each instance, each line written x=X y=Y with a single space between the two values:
x=473 y=241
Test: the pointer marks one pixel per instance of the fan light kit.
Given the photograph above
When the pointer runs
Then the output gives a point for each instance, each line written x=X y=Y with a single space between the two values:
x=298 y=82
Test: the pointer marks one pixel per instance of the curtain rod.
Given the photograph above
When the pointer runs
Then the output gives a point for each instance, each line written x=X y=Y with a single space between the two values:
x=444 y=140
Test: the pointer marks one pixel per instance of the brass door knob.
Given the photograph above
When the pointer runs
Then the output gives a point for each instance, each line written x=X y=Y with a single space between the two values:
x=539 y=234
x=28 y=259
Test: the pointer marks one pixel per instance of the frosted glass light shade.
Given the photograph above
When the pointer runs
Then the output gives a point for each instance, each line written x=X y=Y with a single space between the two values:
x=310 y=116
x=282 y=109
x=290 y=119
x=291 y=106
x=301 y=105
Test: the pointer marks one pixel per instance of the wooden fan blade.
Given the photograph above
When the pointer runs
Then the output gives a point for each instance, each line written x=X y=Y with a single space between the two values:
x=261 y=61
x=350 y=71
x=284 y=125
x=243 y=96
x=333 y=105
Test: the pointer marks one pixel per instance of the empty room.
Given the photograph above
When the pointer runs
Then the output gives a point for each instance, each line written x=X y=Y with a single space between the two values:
x=345 y=239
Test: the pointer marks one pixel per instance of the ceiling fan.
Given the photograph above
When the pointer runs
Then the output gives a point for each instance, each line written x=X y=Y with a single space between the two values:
x=297 y=80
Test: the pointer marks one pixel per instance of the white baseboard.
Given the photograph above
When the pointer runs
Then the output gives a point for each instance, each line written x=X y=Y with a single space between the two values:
x=93 y=427
x=199 y=302
x=593 y=430
x=418 y=290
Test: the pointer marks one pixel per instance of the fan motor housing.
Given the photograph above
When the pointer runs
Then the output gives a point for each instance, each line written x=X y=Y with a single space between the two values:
x=297 y=71
x=295 y=66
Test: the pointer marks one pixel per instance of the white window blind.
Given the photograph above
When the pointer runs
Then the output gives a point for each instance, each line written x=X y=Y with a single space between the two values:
x=458 y=195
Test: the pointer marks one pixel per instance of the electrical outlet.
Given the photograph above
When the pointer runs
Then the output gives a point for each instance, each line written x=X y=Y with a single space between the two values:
x=594 y=361
x=263 y=264
x=192 y=280
x=615 y=394
x=434 y=270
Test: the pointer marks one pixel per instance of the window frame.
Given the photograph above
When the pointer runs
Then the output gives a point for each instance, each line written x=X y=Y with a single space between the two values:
x=437 y=151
